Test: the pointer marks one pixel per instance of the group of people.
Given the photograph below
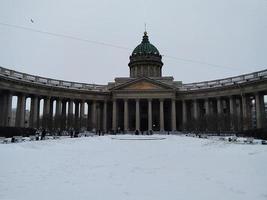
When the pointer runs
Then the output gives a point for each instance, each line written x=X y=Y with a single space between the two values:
x=149 y=132
x=75 y=133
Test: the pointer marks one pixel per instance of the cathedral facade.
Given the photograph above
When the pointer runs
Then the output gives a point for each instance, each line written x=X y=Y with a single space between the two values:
x=144 y=101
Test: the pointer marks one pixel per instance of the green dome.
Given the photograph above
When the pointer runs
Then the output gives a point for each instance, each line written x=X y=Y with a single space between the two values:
x=145 y=47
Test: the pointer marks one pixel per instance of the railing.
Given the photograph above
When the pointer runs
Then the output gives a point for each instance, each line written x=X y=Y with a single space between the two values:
x=50 y=82
x=101 y=88
x=236 y=80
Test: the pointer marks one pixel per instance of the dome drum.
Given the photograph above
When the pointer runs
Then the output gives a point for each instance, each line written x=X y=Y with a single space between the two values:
x=145 y=60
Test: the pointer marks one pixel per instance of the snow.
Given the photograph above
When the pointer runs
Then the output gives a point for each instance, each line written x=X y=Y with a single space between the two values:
x=177 y=167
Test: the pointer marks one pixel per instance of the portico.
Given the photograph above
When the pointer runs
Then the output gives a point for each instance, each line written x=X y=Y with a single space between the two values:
x=143 y=103
x=145 y=114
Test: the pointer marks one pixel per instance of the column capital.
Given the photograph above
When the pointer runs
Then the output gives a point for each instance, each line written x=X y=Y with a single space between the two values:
x=58 y=98
x=173 y=99
x=244 y=94
x=64 y=100
x=34 y=96
x=22 y=94
x=90 y=101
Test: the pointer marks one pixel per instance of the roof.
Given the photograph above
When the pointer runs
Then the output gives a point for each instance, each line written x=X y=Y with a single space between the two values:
x=145 y=47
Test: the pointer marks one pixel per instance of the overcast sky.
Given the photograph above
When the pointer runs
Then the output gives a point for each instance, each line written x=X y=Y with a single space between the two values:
x=229 y=33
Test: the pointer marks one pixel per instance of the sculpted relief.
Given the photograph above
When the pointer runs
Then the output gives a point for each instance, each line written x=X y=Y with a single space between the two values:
x=143 y=85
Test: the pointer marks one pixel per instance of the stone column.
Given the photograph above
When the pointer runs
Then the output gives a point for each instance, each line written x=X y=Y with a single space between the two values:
x=211 y=106
x=207 y=107
x=173 y=115
x=126 y=115
x=244 y=112
x=70 y=114
x=51 y=120
x=114 y=115
x=249 y=113
x=105 y=117
x=89 y=107
x=260 y=110
x=232 y=112
x=38 y=114
x=239 y=114
x=7 y=109
x=77 y=110
x=231 y=104
x=161 y=111
x=137 y=115
x=219 y=106
x=64 y=115
x=2 y=109
x=34 y=111
x=46 y=110
x=82 y=117
x=195 y=109
x=20 y=115
x=184 y=113
x=97 y=116
x=58 y=107
x=58 y=116
x=150 y=114
x=93 y=116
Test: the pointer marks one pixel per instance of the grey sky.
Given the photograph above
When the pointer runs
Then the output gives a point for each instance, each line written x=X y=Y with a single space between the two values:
x=230 y=33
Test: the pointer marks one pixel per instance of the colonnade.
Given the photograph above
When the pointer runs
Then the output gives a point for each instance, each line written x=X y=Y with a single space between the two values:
x=104 y=114
x=69 y=113
x=149 y=113
x=244 y=111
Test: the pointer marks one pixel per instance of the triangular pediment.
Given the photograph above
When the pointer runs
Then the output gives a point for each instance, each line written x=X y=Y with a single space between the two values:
x=143 y=84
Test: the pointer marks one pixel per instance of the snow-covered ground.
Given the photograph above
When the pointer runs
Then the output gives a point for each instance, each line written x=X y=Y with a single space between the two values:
x=101 y=168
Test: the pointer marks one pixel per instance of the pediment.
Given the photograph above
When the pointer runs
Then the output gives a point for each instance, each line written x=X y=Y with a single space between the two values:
x=143 y=84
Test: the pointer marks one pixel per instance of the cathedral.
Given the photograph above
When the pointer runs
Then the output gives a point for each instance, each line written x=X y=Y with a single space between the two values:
x=144 y=101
